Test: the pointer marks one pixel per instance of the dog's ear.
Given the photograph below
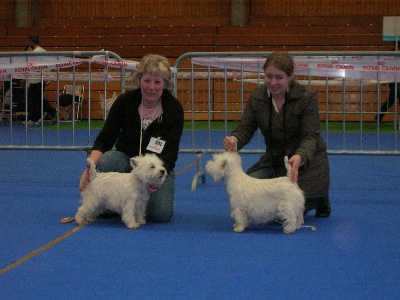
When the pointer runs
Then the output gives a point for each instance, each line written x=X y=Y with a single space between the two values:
x=133 y=162
x=223 y=165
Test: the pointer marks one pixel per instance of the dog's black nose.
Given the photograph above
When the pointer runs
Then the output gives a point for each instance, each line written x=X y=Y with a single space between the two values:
x=162 y=171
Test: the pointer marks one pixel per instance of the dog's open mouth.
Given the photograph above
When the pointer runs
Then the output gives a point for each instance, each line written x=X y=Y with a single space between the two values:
x=153 y=188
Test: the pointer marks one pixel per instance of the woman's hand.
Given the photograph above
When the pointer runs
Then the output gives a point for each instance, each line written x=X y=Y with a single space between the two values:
x=230 y=143
x=84 y=178
x=295 y=161
x=95 y=156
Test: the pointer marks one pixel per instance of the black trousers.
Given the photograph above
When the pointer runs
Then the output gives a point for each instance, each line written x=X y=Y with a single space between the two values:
x=35 y=103
x=390 y=100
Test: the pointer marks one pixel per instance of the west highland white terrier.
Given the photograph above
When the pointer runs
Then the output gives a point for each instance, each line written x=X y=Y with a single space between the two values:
x=258 y=201
x=123 y=193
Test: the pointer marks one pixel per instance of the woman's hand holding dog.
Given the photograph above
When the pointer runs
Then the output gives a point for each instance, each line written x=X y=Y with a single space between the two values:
x=84 y=178
x=95 y=157
x=230 y=143
x=296 y=161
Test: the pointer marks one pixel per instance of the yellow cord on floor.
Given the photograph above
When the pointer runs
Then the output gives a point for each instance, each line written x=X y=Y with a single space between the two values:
x=65 y=235
x=40 y=250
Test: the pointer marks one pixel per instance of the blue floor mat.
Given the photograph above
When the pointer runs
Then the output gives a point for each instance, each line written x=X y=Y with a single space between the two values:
x=351 y=255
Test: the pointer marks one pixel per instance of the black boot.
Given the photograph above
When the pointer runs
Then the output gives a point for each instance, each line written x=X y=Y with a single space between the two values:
x=311 y=203
x=321 y=205
x=324 y=208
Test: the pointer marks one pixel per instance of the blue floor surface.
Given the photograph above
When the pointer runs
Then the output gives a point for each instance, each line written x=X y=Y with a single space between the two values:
x=352 y=255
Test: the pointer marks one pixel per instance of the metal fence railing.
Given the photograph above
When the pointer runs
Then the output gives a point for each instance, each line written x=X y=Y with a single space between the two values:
x=351 y=89
x=213 y=88
x=97 y=71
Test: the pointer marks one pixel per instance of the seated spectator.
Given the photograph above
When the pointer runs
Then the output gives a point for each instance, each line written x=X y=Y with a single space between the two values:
x=36 y=93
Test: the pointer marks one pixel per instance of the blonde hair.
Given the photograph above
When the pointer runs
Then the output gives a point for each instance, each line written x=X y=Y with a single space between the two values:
x=154 y=64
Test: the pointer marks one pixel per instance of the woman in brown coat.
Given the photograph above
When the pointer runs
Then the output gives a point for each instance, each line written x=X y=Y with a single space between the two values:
x=288 y=117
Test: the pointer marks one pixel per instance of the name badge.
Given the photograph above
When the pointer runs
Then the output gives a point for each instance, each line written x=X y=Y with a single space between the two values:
x=156 y=145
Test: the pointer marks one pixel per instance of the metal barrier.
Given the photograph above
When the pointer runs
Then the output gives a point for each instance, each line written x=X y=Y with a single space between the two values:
x=87 y=68
x=351 y=87
x=213 y=88
x=216 y=85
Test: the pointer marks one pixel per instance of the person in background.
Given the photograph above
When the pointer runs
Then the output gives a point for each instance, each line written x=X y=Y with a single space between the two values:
x=18 y=87
x=391 y=99
x=35 y=93
x=135 y=120
x=288 y=116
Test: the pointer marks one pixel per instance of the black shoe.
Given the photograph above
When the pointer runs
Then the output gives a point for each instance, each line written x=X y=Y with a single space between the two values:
x=323 y=210
x=311 y=203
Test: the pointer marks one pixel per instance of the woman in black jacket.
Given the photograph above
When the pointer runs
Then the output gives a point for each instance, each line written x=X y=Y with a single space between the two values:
x=136 y=119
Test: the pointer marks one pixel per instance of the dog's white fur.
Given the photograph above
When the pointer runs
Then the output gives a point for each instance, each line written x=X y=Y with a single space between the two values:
x=258 y=201
x=123 y=193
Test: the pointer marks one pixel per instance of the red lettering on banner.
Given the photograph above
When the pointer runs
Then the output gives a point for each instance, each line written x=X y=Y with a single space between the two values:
x=301 y=65
x=112 y=63
x=118 y=63
x=63 y=65
x=3 y=71
x=20 y=70
x=39 y=68
x=33 y=68
x=345 y=67
x=324 y=66
x=391 y=68
x=371 y=68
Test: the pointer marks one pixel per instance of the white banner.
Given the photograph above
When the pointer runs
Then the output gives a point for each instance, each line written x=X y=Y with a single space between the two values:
x=113 y=63
x=15 y=65
x=28 y=67
x=357 y=67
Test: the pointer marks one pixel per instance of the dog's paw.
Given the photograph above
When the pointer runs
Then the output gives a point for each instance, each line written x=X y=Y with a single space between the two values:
x=90 y=218
x=238 y=228
x=80 y=218
x=133 y=225
x=142 y=221
x=289 y=229
x=81 y=222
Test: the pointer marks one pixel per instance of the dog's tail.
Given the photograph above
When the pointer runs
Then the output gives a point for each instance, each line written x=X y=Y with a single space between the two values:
x=91 y=169
x=288 y=166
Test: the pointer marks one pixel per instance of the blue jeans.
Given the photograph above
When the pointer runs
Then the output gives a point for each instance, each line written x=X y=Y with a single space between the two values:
x=161 y=203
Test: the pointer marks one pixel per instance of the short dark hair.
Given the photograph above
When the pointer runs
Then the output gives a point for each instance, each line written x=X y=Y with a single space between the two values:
x=281 y=60
x=34 y=39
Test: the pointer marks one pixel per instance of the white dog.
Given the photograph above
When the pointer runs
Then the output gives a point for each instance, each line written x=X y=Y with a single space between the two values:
x=123 y=193
x=258 y=201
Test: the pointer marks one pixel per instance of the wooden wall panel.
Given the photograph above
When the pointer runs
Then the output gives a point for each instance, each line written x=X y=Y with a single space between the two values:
x=7 y=9
x=264 y=8
x=137 y=8
x=203 y=8
x=206 y=8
